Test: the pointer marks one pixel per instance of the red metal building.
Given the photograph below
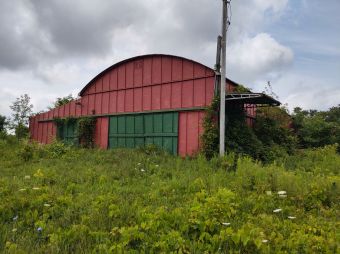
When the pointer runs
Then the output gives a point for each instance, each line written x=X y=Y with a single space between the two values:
x=156 y=99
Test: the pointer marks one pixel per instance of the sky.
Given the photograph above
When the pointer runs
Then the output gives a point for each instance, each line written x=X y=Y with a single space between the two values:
x=52 y=48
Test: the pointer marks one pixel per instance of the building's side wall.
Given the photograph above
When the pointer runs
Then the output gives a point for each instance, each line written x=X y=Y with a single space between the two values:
x=152 y=83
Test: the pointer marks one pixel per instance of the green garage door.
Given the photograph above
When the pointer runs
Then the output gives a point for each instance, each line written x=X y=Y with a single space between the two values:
x=67 y=133
x=132 y=131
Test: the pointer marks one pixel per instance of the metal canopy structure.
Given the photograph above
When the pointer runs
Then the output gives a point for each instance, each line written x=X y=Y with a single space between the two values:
x=252 y=98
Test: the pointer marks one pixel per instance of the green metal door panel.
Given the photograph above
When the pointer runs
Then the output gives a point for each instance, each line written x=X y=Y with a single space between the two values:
x=174 y=145
x=167 y=144
x=113 y=143
x=175 y=124
x=121 y=124
x=130 y=143
x=168 y=123
x=157 y=123
x=130 y=124
x=139 y=124
x=158 y=141
x=121 y=142
x=131 y=131
x=148 y=141
x=113 y=125
x=148 y=123
x=139 y=142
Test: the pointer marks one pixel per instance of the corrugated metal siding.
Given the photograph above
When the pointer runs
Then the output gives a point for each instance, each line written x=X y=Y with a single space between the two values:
x=190 y=130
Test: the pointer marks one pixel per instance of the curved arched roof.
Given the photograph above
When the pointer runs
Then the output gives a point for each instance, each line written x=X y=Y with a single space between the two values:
x=101 y=74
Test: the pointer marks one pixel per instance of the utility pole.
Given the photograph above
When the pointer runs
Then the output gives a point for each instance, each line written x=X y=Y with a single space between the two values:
x=223 y=76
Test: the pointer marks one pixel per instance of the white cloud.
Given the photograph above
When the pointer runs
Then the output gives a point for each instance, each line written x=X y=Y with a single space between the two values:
x=252 y=58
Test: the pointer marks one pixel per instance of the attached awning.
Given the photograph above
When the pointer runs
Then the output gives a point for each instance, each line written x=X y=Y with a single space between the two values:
x=252 y=98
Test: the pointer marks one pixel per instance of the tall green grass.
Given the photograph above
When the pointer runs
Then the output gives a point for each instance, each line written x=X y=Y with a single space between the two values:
x=56 y=199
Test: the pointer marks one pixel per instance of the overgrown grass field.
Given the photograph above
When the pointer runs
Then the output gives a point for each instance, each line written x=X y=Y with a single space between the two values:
x=56 y=199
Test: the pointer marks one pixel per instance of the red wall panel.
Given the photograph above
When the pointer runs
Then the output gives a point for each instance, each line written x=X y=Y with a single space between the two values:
x=190 y=129
x=113 y=102
x=121 y=101
x=106 y=82
x=114 y=79
x=199 y=92
x=147 y=71
x=129 y=74
x=156 y=70
x=138 y=73
x=105 y=103
x=176 y=95
x=177 y=69
x=156 y=97
x=147 y=98
x=128 y=100
x=138 y=100
x=166 y=69
x=166 y=96
x=187 y=94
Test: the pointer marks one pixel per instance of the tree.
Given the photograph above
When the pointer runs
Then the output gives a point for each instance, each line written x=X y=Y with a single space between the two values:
x=3 y=123
x=22 y=110
x=62 y=101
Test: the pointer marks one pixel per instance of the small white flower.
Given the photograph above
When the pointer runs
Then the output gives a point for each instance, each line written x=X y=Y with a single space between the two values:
x=264 y=240
x=139 y=164
x=282 y=196
x=27 y=177
x=15 y=217
x=277 y=210
x=142 y=170
x=282 y=192
x=225 y=223
x=291 y=217
x=35 y=188
x=22 y=189
x=156 y=165
x=14 y=230
x=47 y=205
x=269 y=193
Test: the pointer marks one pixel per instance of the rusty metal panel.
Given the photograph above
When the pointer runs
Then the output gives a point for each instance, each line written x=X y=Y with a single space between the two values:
x=187 y=94
x=182 y=134
x=91 y=108
x=199 y=71
x=67 y=110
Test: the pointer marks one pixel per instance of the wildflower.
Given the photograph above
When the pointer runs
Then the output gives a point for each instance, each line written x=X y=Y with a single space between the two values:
x=35 y=188
x=139 y=164
x=14 y=230
x=225 y=223
x=282 y=196
x=291 y=217
x=22 y=189
x=156 y=165
x=269 y=193
x=143 y=170
x=47 y=205
x=15 y=217
x=39 y=229
x=39 y=173
x=27 y=177
x=264 y=240
x=282 y=192
x=277 y=210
